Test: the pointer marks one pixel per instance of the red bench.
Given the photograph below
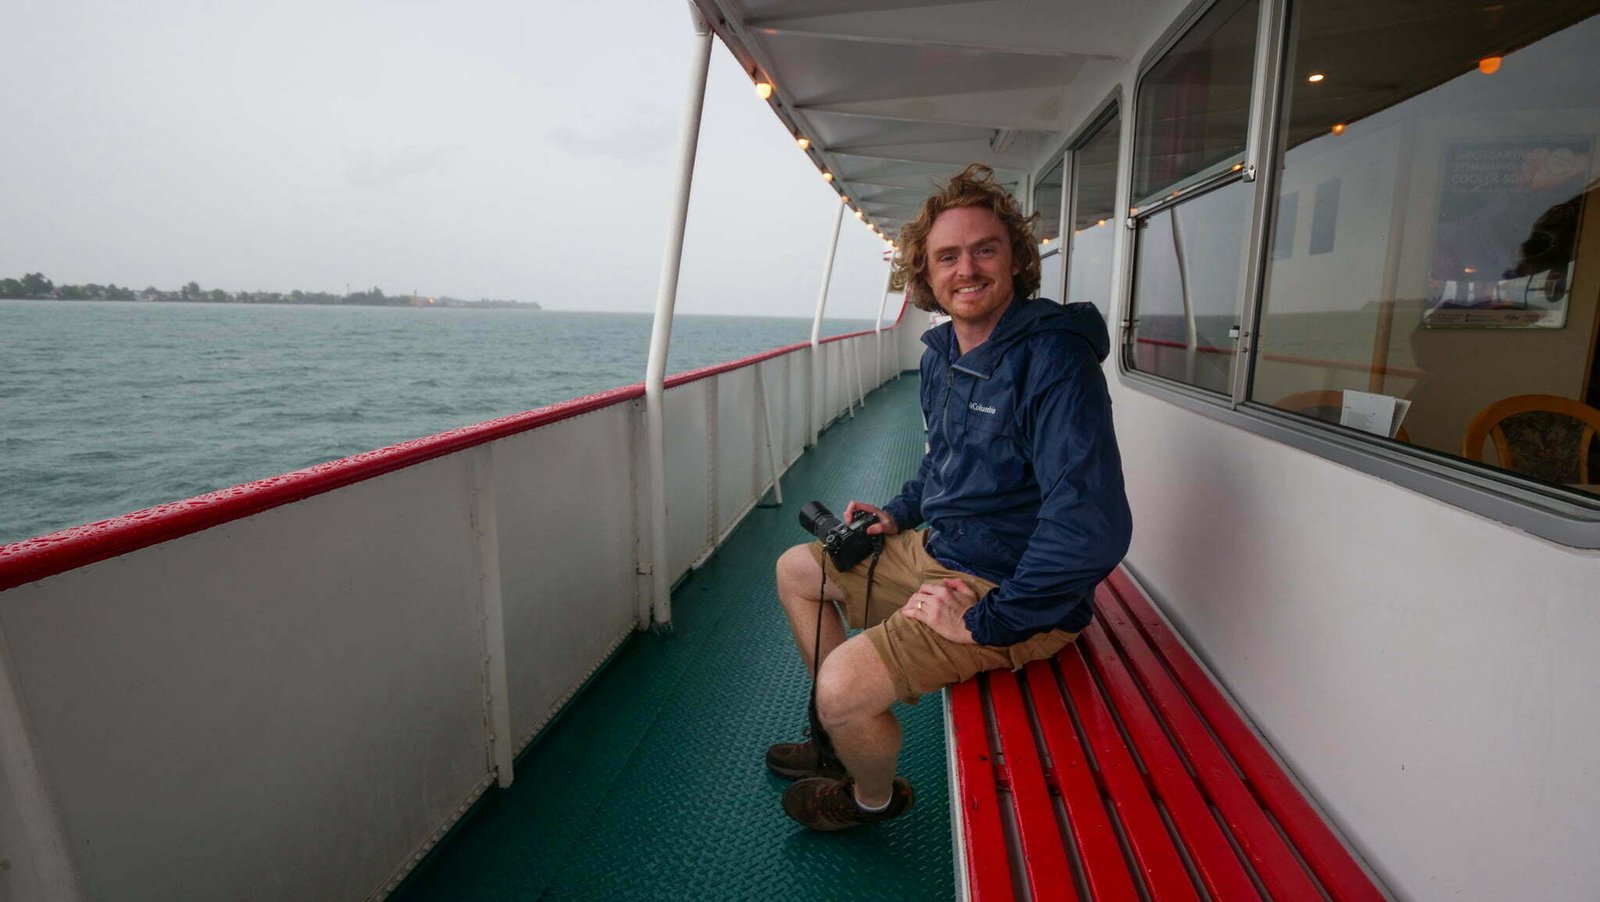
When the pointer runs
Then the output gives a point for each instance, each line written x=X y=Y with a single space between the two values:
x=1055 y=803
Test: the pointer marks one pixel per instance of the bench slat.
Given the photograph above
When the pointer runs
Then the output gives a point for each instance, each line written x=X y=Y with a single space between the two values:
x=1044 y=853
x=1341 y=876
x=1164 y=873
x=1224 y=876
x=980 y=804
x=1268 y=854
x=1104 y=868
x=1167 y=791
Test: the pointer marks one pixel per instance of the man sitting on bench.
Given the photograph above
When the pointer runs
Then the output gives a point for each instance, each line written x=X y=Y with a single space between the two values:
x=1021 y=488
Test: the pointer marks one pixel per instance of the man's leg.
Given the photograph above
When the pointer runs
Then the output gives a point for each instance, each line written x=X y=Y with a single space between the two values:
x=799 y=577
x=854 y=694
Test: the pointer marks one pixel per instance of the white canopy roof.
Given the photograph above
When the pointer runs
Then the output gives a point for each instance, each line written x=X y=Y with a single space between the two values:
x=896 y=95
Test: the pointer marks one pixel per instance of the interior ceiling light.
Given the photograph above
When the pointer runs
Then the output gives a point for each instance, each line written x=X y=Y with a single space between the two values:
x=1338 y=128
x=803 y=142
x=763 y=89
x=1315 y=77
x=1489 y=65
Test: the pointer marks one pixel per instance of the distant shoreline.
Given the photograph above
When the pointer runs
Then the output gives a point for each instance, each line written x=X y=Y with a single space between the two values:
x=404 y=302
x=35 y=286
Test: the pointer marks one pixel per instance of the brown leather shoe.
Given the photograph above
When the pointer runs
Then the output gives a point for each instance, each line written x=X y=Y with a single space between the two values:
x=797 y=760
x=825 y=804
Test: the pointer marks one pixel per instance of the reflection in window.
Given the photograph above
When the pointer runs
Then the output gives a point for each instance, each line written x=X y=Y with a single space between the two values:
x=1050 y=277
x=1047 y=203
x=1093 y=215
x=1324 y=217
x=1193 y=118
x=1194 y=104
x=1454 y=254
x=1186 y=288
x=1288 y=214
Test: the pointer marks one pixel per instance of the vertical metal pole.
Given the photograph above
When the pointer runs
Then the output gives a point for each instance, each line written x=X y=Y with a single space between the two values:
x=877 y=324
x=1399 y=200
x=661 y=331
x=816 y=327
x=766 y=421
x=1191 y=329
x=497 y=696
x=43 y=836
x=861 y=391
x=1068 y=201
x=844 y=368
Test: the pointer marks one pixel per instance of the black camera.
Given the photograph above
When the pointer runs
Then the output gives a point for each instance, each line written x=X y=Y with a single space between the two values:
x=847 y=544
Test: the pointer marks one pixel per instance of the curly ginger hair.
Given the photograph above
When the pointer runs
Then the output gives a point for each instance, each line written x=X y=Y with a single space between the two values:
x=974 y=186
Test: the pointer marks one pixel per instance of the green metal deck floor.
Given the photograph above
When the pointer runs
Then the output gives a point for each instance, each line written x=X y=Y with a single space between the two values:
x=651 y=784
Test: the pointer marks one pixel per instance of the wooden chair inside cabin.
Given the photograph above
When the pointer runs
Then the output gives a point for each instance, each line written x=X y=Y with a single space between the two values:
x=1546 y=437
x=1324 y=404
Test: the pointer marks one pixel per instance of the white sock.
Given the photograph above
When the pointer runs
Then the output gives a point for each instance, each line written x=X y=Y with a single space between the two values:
x=868 y=808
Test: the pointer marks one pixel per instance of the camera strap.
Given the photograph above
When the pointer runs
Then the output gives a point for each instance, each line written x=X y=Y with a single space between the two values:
x=818 y=734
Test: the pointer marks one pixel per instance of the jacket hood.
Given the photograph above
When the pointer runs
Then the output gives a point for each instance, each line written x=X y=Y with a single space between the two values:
x=1025 y=316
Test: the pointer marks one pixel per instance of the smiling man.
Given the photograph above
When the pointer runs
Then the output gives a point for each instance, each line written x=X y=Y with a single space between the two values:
x=1021 y=489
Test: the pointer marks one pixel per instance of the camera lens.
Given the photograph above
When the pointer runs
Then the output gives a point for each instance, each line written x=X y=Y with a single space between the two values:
x=817 y=519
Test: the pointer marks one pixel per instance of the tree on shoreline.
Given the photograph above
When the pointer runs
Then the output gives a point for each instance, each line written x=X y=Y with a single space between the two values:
x=34 y=286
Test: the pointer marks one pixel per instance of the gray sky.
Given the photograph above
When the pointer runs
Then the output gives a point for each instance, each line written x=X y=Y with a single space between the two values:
x=472 y=149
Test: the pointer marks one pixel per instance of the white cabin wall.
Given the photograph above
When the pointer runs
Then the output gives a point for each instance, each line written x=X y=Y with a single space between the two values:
x=913 y=324
x=1426 y=672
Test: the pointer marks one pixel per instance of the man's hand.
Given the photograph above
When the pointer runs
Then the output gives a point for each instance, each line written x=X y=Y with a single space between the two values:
x=885 y=525
x=941 y=606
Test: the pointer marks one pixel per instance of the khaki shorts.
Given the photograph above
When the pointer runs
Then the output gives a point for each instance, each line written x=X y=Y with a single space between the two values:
x=920 y=660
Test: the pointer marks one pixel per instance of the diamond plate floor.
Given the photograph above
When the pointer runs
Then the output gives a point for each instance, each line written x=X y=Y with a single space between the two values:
x=651 y=785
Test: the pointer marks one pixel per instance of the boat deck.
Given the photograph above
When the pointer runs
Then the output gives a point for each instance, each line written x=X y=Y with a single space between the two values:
x=651 y=784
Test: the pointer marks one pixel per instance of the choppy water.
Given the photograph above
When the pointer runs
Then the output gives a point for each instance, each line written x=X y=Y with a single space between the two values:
x=107 y=408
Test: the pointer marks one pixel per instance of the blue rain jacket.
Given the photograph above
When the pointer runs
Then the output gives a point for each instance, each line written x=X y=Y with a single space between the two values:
x=1022 y=482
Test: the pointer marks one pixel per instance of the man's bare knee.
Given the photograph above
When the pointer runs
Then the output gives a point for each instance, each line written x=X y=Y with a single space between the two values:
x=853 y=685
x=797 y=566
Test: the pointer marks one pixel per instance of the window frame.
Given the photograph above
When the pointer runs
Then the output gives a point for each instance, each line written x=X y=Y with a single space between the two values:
x=1506 y=497
x=1103 y=113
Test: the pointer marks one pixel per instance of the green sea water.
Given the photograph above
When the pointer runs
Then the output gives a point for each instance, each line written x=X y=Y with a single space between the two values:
x=107 y=408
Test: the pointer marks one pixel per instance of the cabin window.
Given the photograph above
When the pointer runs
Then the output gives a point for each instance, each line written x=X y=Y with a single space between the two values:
x=1047 y=203
x=1191 y=209
x=1436 y=248
x=1093 y=214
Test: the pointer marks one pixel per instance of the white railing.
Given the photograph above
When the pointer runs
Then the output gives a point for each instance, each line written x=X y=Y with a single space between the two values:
x=291 y=689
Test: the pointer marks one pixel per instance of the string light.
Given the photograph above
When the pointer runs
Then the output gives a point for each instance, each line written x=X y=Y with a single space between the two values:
x=803 y=142
x=1489 y=65
x=827 y=176
x=1338 y=128
x=763 y=89
x=1315 y=77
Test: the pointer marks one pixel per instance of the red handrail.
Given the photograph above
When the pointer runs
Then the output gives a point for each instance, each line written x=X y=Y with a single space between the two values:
x=34 y=559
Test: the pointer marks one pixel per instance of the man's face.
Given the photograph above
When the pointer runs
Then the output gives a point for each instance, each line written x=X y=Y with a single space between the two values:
x=969 y=265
